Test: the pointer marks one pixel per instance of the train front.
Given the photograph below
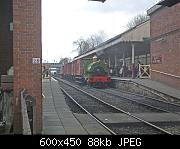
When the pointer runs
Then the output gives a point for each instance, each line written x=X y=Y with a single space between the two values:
x=97 y=74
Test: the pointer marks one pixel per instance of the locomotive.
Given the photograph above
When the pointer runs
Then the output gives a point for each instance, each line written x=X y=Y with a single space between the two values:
x=87 y=71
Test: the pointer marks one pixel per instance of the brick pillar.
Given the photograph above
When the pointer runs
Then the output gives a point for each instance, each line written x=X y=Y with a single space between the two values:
x=26 y=46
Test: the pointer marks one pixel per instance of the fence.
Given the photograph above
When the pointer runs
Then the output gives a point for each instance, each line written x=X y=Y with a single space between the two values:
x=6 y=110
x=28 y=113
x=144 y=71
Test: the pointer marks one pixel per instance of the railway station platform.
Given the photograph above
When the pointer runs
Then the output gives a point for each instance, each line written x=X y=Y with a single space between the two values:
x=154 y=85
x=58 y=118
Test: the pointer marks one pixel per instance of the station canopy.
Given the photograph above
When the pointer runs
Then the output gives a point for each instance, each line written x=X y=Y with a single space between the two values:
x=118 y=48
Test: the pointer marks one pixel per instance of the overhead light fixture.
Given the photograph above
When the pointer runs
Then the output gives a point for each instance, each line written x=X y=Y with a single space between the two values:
x=98 y=0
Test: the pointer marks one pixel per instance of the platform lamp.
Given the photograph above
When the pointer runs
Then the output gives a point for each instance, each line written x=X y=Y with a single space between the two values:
x=98 y=0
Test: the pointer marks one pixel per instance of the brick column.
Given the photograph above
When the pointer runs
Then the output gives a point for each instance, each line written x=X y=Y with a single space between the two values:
x=26 y=46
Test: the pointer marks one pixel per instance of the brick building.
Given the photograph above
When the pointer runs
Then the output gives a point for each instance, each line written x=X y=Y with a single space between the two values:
x=20 y=47
x=165 y=42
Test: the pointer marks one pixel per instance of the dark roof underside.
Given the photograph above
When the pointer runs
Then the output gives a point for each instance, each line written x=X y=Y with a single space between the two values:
x=98 y=0
x=168 y=3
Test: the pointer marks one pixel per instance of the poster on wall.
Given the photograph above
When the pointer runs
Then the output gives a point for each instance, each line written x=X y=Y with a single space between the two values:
x=156 y=59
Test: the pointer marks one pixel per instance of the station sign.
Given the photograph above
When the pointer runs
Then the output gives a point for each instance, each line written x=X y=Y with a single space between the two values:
x=36 y=60
x=157 y=59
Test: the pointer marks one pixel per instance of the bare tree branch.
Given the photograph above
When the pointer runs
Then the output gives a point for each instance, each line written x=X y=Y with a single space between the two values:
x=140 y=18
x=83 y=45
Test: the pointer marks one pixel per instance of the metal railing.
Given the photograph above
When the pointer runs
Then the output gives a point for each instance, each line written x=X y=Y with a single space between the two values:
x=6 y=107
x=25 y=118
x=2 y=122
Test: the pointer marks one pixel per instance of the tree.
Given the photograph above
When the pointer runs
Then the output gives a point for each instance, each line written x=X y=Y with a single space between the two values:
x=64 y=61
x=83 y=45
x=140 y=18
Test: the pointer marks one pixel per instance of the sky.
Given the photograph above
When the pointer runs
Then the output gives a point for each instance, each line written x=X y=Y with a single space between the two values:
x=65 y=21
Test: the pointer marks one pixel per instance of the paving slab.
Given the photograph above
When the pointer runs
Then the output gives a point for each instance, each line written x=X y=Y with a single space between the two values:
x=75 y=130
x=54 y=130
x=96 y=129
x=91 y=126
x=155 y=85
x=57 y=117
x=161 y=87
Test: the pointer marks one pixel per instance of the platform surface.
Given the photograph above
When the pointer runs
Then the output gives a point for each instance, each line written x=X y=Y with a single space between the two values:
x=160 y=87
x=58 y=119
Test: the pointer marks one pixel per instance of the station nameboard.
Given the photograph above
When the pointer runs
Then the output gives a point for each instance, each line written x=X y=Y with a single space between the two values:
x=157 y=59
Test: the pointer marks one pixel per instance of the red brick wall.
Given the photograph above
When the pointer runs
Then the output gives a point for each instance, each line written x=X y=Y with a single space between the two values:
x=6 y=49
x=165 y=34
x=27 y=45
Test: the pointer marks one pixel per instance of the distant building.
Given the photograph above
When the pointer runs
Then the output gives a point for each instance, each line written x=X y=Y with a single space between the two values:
x=125 y=49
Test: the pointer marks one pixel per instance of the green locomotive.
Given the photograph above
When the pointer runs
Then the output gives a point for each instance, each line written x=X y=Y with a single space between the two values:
x=96 y=72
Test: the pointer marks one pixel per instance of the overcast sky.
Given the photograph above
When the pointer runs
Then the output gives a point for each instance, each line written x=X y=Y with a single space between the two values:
x=65 y=21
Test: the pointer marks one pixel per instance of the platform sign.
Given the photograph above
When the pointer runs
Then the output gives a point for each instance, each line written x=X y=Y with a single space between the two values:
x=157 y=59
x=36 y=60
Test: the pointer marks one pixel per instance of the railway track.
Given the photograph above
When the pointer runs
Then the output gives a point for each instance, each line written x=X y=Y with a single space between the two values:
x=94 y=105
x=153 y=103
x=169 y=119
x=170 y=101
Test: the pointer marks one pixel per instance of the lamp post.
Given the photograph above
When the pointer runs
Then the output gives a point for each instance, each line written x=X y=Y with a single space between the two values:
x=133 y=61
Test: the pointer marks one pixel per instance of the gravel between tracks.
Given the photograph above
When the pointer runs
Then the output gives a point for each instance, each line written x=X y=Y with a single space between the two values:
x=126 y=105
x=146 y=100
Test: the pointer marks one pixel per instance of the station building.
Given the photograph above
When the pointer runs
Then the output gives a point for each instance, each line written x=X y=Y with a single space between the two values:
x=125 y=49
x=20 y=52
x=165 y=42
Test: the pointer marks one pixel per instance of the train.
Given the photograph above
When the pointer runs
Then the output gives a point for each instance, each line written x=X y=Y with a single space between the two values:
x=88 y=71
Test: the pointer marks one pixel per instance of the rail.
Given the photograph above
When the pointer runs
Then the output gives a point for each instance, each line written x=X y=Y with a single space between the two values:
x=121 y=110
x=25 y=119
